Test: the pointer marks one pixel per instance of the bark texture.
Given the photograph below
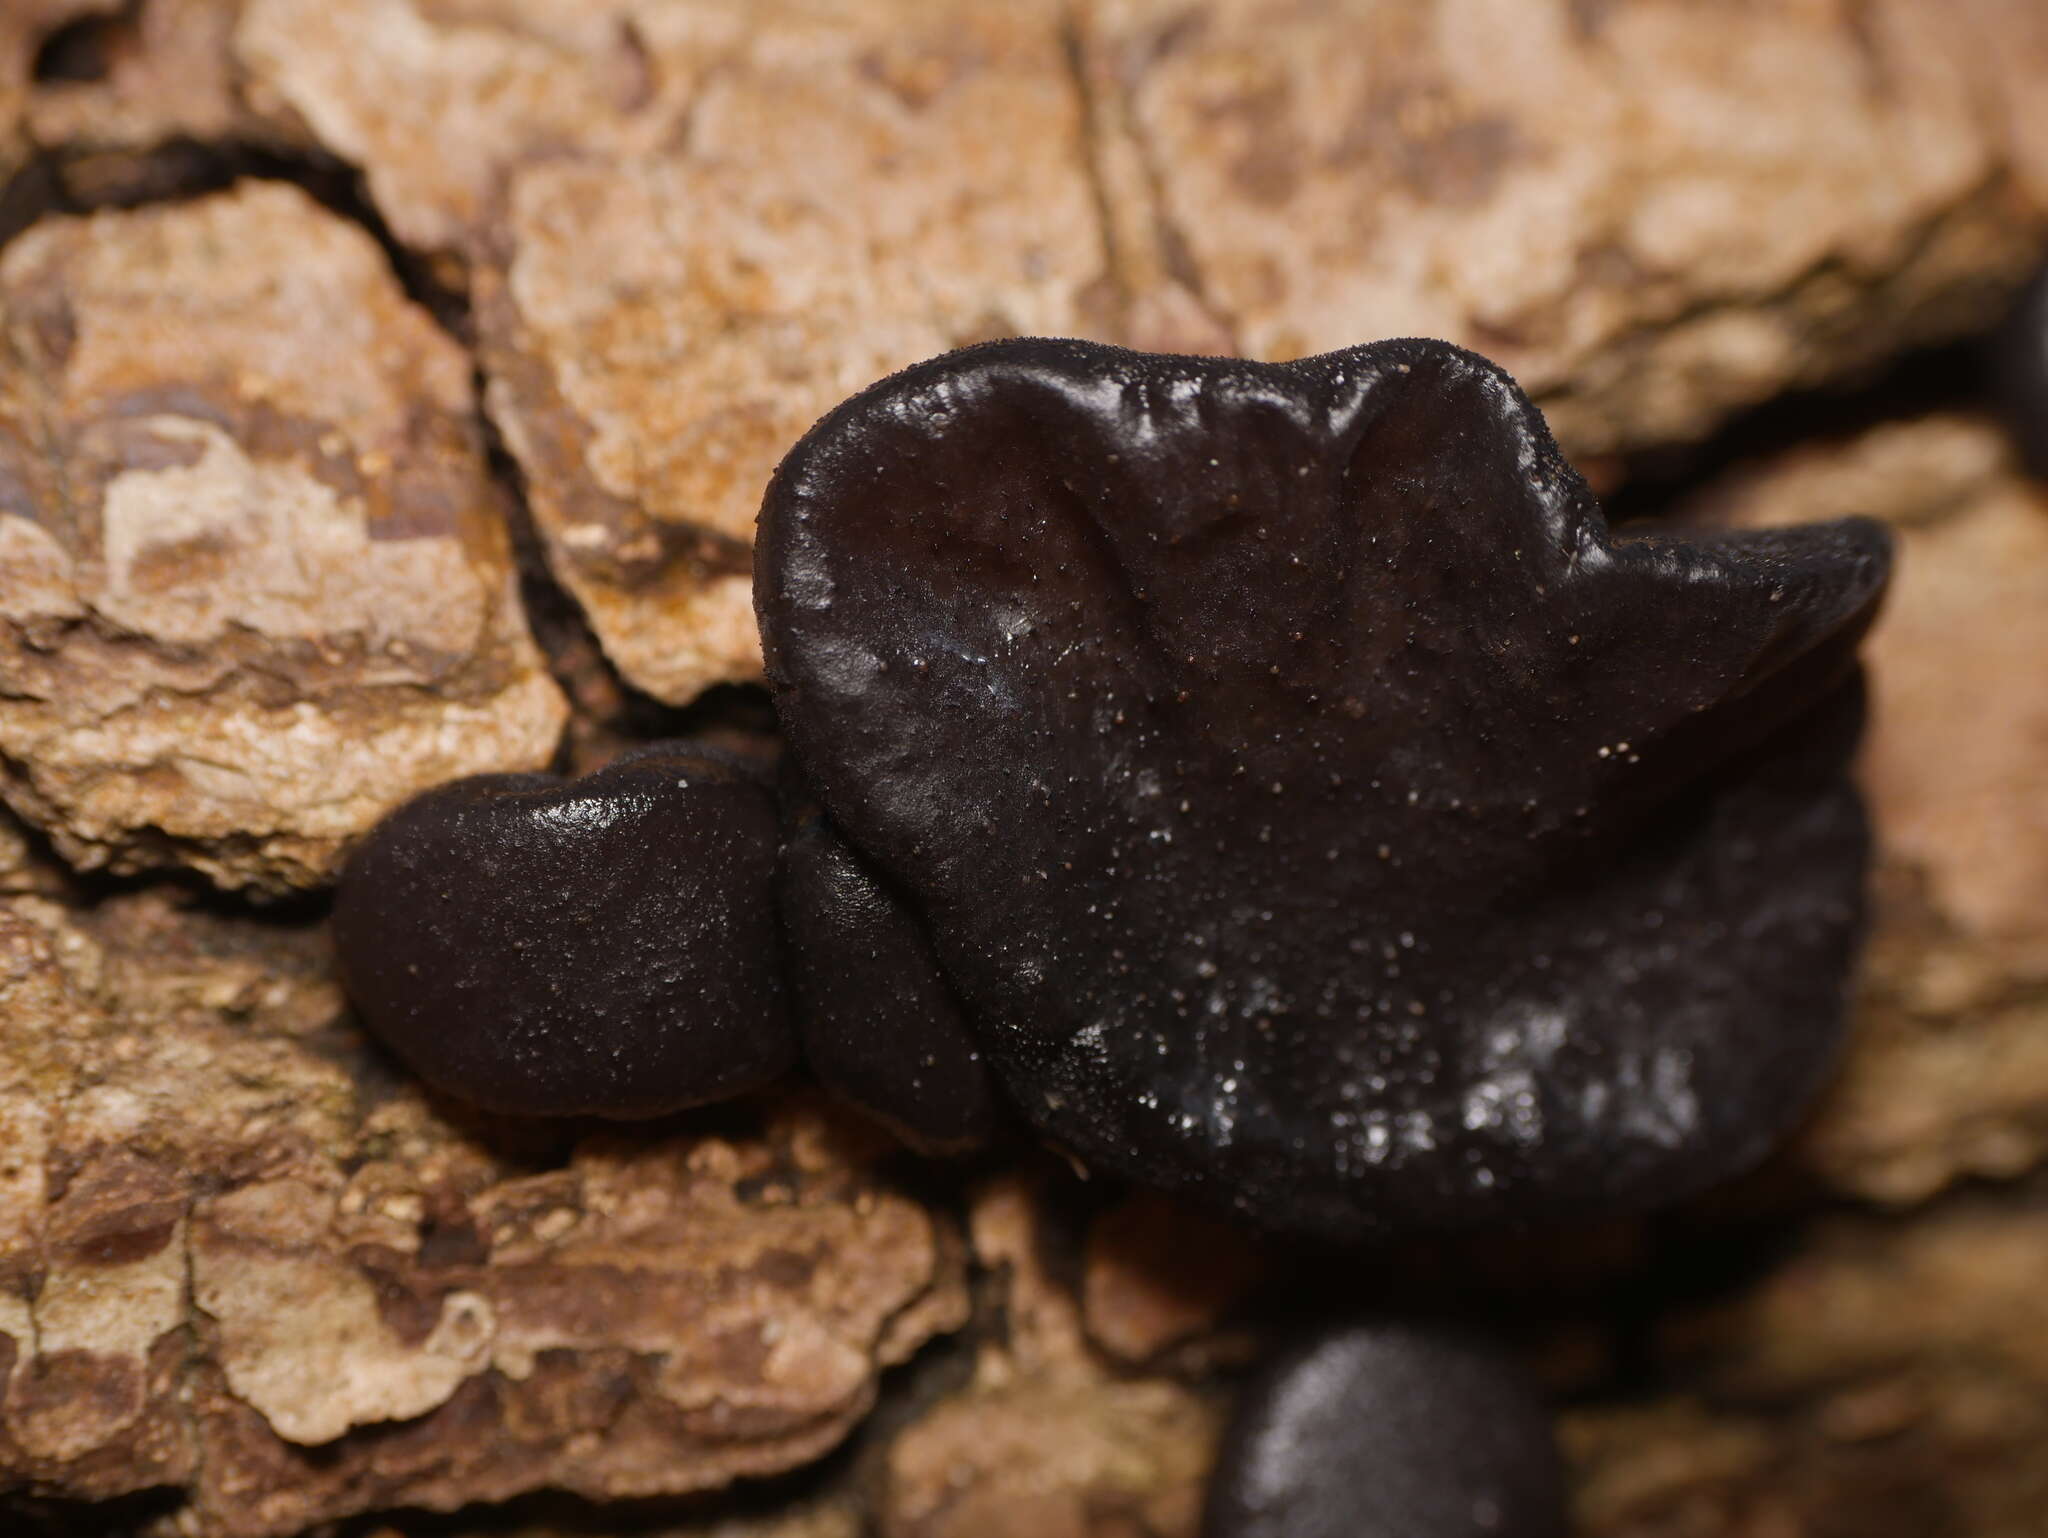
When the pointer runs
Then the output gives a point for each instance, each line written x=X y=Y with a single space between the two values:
x=255 y=585
x=693 y=224
x=1949 y=1079
x=1045 y=1440
x=240 y=1258
x=514 y=308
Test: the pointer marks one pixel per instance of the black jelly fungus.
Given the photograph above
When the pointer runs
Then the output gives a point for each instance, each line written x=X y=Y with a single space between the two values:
x=877 y=1022
x=604 y=946
x=1316 y=809
x=1387 y=1430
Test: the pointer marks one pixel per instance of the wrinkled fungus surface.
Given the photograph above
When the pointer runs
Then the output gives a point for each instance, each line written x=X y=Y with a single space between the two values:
x=1314 y=806
x=876 y=1019
x=1387 y=1431
x=602 y=946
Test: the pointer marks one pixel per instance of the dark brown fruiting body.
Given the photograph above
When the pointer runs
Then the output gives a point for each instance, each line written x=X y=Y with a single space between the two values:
x=1314 y=808
x=602 y=946
x=1392 y=1430
x=877 y=1022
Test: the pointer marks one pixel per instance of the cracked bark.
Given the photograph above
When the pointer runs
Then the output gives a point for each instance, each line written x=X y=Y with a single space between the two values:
x=365 y=1299
x=644 y=462
x=254 y=589
x=1242 y=175
x=240 y=1260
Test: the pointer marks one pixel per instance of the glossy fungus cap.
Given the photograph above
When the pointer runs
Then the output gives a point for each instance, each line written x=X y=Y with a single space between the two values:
x=606 y=945
x=1315 y=808
x=1387 y=1430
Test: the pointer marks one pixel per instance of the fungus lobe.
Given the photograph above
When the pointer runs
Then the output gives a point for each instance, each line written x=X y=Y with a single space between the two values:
x=603 y=946
x=876 y=1020
x=1315 y=808
x=1387 y=1430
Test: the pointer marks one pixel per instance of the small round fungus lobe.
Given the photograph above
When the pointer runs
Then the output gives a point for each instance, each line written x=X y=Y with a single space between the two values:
x=1315 y=809
x=1387 y=1430
x=878 y=1024
x=602 y=946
